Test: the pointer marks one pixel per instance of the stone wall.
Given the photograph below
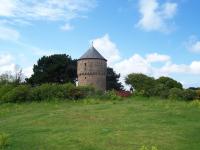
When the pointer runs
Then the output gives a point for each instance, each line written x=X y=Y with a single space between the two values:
x=92 y=72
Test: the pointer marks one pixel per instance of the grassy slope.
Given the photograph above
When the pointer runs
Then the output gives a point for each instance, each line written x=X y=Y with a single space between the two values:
x=126 y=125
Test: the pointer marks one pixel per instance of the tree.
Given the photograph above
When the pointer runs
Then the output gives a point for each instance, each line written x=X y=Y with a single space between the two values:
x=58 y=68
x=112 y=80
x=189 y=94
x=169 y=83
x=18 y=75
x=142 y=84
x=15 y=77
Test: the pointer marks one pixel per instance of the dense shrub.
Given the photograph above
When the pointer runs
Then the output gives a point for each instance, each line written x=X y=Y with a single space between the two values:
x=176 y=93
x=189 y=94
x=60 y=91
x=111 y=95
x=5 y=89
x=124 y=93
x=85 y=91
x=18 y=94
x=198 y=94
x=46 y=92
x=43 y=92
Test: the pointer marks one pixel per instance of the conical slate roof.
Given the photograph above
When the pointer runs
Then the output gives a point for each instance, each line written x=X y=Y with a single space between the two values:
x=92 y=53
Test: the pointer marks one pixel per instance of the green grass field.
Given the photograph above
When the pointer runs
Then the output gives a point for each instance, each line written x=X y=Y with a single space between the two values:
x=107 y=125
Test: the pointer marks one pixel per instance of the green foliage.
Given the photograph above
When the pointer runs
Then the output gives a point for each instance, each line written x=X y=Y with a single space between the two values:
x=163 y=87
x=54 y=69
x=3 y=140
x=176 y=93
x=60 y=91
x=17 y=94
x=143 y=84
x=169 y=83
x=44 y=92
x=111 y=95
x=112 y=80
x=87 y=91
x=4 y=89
x=189 y=94
x=195 y=103
x=198 y=94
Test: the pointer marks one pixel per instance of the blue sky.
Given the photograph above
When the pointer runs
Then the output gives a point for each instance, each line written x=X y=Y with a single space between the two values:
x=155 y=37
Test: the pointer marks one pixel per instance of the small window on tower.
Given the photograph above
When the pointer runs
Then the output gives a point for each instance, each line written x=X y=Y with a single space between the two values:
x=85 y=66
x=85 y=77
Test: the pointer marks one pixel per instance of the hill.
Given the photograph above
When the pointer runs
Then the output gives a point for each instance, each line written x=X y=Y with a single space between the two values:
x=102 y=125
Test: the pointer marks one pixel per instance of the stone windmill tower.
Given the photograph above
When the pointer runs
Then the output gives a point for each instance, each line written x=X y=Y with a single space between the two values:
x=92 y=69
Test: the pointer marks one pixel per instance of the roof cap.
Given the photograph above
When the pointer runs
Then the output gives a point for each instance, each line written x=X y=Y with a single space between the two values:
x=92 y=53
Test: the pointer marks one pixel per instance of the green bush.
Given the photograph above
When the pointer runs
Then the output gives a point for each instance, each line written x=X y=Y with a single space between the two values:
x=72 y=92
x=5 y=89
x=88 y=91
x=18 y=94
x=46 y=92
x=189 y=94
x=110 y=95
x=59 y=91
x=176 y=93
x=198 y=94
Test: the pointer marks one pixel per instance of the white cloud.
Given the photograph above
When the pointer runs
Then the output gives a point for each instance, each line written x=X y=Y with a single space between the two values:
x=6 y=63
x=193 y=44
x=7 y=7
x=134 y=64
x=107 y=48
x=10 y=34
x=28 y=71
x=5 y=59
x=155 y=16
x=155 y=57
x=143 y=64
x=195 y=67
x=139 y=64
x=67 y=27
x=45 y=10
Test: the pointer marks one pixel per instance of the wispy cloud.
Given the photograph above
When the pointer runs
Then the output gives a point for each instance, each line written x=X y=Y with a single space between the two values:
x=6 y=63
x=8 y=33
x=67 y=27
x=155 y=16
x=143 y=64
x=193 y=44
x=107 y=48
x=45 y=10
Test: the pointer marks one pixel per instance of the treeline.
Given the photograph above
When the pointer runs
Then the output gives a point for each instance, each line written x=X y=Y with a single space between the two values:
x=53 y=77
x=163 y=87
x=61 y=68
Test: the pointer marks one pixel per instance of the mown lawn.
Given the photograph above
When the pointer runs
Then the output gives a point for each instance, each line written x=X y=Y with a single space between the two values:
x=121 y=125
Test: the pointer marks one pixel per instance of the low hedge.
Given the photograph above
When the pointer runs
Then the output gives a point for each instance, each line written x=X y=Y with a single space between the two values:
x=17 y=94
x=24 y=93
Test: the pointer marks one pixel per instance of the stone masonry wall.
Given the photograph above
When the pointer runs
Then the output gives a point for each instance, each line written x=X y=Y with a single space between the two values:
x=92 y=72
